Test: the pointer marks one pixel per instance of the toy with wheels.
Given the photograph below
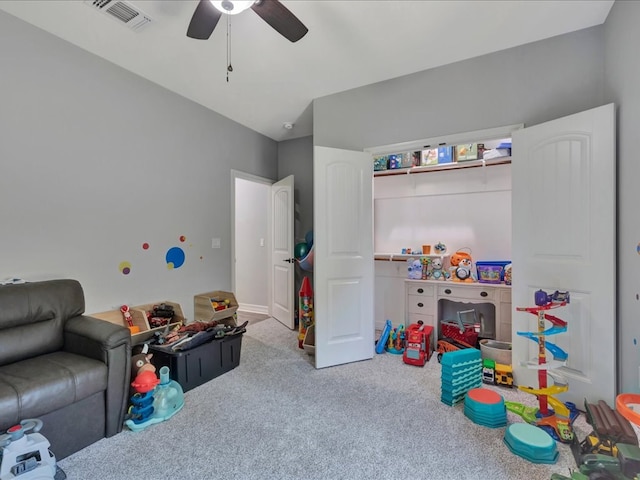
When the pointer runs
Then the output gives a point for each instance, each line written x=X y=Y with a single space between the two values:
x=417 y=350
x=446 y=344
x=26 y=454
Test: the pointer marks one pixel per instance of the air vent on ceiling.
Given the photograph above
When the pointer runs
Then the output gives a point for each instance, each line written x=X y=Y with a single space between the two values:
x=124 y=12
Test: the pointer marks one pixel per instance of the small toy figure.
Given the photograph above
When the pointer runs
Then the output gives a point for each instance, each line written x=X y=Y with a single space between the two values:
x=414 y=268
x=440 y=248
x=127 y=315
x=437 y=272
x=507 y=274
x=426 y=262
x=461 y=267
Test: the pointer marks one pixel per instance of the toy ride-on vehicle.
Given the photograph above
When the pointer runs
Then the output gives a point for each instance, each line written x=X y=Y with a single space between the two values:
x=417 y=350
x=596 y=466
x=25 y=454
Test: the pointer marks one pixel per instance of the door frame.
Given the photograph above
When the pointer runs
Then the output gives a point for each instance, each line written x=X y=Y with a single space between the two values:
x=237 y=174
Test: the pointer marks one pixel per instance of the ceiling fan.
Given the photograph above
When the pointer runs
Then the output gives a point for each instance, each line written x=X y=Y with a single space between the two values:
x=208 y=12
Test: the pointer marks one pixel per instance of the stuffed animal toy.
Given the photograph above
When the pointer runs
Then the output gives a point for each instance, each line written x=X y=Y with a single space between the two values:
x=461 y=267
x=141 y=361
x=437 y=272
x=414 y=268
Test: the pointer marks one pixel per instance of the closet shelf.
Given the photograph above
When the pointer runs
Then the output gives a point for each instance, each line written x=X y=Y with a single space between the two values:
x=444 y=166
x=402 y=257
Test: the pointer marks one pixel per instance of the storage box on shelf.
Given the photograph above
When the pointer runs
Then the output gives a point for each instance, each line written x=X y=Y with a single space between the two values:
x=464 y=150
x=205 y=311
x=140 y=320
x=491 y=271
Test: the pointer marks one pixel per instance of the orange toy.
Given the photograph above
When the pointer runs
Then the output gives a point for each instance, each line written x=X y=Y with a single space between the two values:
x=623 y=408
x=461 y=270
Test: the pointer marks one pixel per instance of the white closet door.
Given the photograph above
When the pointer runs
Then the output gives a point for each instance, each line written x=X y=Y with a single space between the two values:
x=343 y=263
x=564 y=238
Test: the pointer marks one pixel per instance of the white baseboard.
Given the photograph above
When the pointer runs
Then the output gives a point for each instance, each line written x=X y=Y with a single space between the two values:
x=247 y=307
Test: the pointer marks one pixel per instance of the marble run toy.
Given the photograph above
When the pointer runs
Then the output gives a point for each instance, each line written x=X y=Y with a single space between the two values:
x=557 y=420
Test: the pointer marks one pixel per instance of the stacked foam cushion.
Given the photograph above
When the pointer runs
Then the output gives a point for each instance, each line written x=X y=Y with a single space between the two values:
x=485 y=407
x=531 y=443
x=461 y=371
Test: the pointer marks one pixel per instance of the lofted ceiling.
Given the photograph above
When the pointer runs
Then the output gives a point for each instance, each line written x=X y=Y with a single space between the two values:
x=350 y=43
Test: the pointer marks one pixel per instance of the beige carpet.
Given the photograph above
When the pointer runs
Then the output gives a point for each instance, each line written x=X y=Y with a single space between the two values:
x=276 y=417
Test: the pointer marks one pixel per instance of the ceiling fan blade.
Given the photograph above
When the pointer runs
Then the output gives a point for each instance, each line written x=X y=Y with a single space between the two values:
x=281 y=19
x=204 y=20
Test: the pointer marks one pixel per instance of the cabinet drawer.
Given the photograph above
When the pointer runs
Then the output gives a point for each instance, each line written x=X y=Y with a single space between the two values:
x=472 y=293
x=505 y=296
x=420 y=304
x=416 y=289
x=415 y=317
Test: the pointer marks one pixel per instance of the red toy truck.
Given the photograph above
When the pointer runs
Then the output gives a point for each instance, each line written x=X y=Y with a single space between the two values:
x=418 y=344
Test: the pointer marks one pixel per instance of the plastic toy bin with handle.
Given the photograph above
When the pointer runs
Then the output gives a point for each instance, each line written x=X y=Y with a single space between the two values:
x=491 y=271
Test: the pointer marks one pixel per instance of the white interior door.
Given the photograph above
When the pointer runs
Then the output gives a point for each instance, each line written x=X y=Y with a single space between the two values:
x=343 y=263
x=282 y=266
x=564 y=238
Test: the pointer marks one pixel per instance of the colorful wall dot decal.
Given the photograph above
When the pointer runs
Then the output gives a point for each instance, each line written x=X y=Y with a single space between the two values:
x=174 y=257
x=145 y=246
x=125 y=268
x=638 y=249
x=182 y=238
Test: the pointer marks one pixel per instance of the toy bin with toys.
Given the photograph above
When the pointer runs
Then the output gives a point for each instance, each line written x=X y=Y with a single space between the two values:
x=144 y=320
x=217 y=305
x=194 y=366
x=491 y=271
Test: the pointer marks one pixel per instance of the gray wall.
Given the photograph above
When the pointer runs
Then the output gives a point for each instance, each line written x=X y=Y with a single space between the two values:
x=295 y=157
x=529 y=84
x=622 y=37
x=96 y=161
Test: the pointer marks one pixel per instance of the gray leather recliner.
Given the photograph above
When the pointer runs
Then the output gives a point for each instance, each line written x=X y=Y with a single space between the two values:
x=56 y=364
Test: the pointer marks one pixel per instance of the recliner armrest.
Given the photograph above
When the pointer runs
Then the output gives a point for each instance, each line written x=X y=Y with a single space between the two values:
x=110 y=344
x=92 y=337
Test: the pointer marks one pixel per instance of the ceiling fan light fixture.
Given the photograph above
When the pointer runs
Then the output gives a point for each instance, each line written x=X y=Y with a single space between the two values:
x=232 y=7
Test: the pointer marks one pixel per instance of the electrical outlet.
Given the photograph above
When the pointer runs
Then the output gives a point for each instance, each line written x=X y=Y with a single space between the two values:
x=262 y=242
x=215 y=243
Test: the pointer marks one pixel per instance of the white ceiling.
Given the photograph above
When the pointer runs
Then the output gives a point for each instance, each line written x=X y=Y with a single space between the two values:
x=349 y=44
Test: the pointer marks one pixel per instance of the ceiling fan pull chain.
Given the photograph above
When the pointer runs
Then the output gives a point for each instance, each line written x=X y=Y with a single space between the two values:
x=229 y=67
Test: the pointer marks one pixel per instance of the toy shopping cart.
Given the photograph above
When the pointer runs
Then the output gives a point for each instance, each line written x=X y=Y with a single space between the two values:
x=465 y=328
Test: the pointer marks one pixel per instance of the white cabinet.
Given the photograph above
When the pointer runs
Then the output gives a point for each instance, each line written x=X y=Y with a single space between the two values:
x=420 y=304
x=432 y=301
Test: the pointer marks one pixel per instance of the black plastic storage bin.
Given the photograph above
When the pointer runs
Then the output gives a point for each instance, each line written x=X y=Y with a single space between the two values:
x=191 y=368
